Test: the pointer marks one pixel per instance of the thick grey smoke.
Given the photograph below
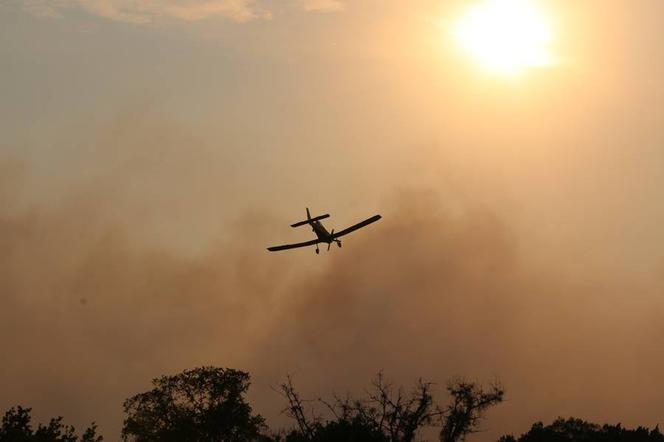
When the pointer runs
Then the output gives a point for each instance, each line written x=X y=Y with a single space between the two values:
x=92 y=310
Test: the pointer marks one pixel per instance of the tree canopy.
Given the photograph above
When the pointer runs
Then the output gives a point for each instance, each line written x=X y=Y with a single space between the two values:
x=572 y=429
x=388 y=414
x=207 y=404
x=202 y=404
x=17 y=427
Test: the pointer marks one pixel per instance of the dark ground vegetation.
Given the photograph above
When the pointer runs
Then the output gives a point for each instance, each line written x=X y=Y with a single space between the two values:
x=207 y=404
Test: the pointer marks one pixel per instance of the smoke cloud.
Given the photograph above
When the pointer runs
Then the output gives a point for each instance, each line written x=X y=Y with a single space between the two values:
x=92 y=309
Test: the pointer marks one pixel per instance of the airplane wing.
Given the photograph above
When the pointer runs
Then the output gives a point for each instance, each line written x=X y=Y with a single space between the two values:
x=366 y=222
x=313 y=242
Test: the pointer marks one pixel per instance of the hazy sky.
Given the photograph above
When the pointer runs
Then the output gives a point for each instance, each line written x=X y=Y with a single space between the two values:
x=152 y=149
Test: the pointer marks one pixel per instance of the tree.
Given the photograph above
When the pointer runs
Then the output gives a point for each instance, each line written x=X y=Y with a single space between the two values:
x=572 y=429
x=388 y=414
x=16 y=427
x=463 y=414
x=202 y=404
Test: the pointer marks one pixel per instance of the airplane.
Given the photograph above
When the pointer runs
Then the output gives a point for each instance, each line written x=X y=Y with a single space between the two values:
x=323 y=236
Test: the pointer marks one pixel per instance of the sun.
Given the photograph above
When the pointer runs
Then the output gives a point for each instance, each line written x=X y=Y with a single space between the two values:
x=506 y=36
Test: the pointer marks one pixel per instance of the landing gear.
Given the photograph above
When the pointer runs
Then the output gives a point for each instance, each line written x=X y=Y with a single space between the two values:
x=339 y=244
x=317 y=250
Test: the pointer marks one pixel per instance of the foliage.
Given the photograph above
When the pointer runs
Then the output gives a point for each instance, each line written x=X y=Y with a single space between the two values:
x=464 y=413
x=202 y=404
x=207 y=404
x=564 y=430
x=16 y=427
x=389 y=415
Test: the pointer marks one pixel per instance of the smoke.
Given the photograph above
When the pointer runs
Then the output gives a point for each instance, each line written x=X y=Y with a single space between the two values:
x=93 y=307
x=440 y=296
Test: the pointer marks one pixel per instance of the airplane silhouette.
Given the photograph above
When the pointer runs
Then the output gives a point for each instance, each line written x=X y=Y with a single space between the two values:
x=323 y=236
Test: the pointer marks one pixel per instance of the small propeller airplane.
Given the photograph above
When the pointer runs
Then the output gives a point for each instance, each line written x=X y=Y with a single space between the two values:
x=323 y=236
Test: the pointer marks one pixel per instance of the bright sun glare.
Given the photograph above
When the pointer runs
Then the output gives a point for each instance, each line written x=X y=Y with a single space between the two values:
x=506 y=36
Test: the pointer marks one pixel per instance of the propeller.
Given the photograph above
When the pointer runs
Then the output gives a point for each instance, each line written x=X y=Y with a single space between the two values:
x=330 y=243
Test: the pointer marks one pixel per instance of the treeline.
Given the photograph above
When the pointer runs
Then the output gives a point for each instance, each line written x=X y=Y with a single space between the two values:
x=208 y=404
x=564 y=430
x=17 y=427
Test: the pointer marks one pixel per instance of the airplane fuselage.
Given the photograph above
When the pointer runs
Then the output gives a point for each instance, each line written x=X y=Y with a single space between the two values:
x=321 y=232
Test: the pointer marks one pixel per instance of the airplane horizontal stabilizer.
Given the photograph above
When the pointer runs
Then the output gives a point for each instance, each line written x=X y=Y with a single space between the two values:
x=307 y=221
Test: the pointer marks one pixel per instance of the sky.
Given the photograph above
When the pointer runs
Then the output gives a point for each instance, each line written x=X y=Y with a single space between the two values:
x=150 y=150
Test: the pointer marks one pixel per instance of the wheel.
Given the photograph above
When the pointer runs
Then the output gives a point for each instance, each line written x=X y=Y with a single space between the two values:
x=317 y=251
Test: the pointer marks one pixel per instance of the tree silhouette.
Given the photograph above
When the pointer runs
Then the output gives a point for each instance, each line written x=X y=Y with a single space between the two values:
x=572 y=429
x=463 y=414
x=16 y=427
x=202 y=404
x=207 y=404
x=387 y=414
